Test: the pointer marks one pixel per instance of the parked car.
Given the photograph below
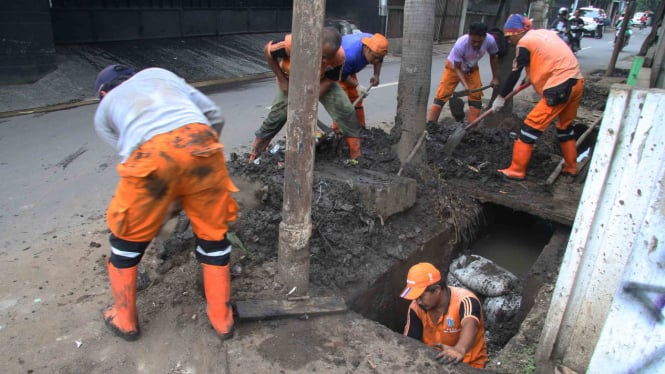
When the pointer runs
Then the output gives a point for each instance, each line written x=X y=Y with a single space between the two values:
x=637 y=17
x=591 y=17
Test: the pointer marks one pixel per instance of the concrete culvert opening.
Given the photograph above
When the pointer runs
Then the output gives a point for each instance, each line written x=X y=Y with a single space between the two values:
x=512 y=240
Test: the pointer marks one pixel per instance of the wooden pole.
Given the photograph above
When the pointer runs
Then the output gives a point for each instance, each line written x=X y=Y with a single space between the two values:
x=295 y=230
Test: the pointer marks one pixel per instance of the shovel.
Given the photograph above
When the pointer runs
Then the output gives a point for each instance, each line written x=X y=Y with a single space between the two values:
x=363 y=96
x=457 y=105
x=456 y=137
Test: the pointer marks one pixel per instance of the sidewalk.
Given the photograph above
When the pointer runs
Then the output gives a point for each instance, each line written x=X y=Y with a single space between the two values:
x=203 y=62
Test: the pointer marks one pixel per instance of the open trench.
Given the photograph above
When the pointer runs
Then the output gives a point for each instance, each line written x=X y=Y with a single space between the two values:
x=528 y=246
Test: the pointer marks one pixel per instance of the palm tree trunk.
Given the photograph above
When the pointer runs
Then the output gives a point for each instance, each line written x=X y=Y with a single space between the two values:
x=414 y=77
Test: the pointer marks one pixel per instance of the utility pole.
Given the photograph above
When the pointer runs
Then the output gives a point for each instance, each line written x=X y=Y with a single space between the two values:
x=295 y=230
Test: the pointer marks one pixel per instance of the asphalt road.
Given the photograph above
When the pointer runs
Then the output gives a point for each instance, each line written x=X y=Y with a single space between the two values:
x=55 y=173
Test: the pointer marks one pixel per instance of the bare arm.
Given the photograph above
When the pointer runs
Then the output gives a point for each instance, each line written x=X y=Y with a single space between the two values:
x=374 y=81
x=456 y=353
x=494 y=65
x=282 y=79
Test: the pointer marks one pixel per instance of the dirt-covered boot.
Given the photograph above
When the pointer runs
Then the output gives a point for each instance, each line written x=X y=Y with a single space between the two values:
x=354 y=147
x=434 y=112
x=122 y=316
x=474 y=113
x=217 y=285
x=521 y=156
x=260 y=145
x=569 y=151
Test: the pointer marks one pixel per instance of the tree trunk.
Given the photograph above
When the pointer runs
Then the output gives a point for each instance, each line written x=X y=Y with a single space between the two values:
x=618 y=43
x=414 y=77
x=295 y=230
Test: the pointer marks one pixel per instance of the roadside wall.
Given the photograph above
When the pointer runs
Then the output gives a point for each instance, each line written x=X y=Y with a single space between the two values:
x=110 y=21
x=611 y=286
x=26 y=42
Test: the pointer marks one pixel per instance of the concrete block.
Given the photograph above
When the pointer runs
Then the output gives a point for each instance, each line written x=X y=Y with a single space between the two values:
x=383 y=194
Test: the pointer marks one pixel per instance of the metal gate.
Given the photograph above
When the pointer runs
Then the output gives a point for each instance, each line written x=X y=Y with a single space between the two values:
x=84 y=21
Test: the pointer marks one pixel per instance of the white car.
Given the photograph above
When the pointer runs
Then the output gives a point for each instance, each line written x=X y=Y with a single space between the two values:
x=637 y=20
x=591 y=17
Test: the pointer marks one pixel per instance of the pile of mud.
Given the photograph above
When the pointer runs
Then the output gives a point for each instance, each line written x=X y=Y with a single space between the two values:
x=351 y=247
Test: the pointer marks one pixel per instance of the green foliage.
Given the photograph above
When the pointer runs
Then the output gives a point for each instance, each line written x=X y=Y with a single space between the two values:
x=643 y=5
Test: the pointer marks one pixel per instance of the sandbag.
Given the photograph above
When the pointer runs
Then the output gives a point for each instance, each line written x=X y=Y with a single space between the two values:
x=501 y=308
x=482 y=276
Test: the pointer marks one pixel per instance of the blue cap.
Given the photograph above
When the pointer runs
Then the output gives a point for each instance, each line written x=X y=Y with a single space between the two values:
x=111 y=73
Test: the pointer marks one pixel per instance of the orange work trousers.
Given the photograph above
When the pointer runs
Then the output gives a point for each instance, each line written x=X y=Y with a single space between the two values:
x=186 y=163
x=542 y=114
x=450 y=80
x=352 y=94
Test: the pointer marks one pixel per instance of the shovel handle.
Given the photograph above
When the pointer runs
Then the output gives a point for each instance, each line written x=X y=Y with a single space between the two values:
x=481 y=117
x=466 y=92
x=356 y=101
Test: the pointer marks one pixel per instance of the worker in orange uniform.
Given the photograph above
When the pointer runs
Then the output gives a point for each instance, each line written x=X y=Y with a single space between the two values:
x=552 y=69
x=278 y=56
x=462 y=67
x=361 y=49
x=449 y=319
x=167 y=135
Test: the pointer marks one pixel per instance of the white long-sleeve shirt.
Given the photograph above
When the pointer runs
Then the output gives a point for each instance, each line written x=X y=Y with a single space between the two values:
x=152 y=102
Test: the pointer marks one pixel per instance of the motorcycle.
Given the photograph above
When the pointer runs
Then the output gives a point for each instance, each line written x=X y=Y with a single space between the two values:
x=562 y=29
x=626 y=38
x=568 y=38
x=576 y=33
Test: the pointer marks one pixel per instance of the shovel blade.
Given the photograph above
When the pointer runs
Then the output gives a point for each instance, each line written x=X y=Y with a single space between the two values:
x=453 y=141
x=457 y=108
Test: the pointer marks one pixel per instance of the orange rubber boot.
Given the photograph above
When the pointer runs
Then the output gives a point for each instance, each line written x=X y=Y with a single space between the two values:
x=521 y=156
x=474 y=113
x=569 y=151
x=434 y=112
x=122 y=316
x=217 y=285
x=360 y=114
x=354 y=148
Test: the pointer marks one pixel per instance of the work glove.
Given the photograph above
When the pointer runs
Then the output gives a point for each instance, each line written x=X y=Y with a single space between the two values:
x=362 y=90
x=498 y=104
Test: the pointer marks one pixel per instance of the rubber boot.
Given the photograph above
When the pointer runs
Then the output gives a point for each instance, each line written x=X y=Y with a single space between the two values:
x=569 y=151
x=360 y=114
x=474 y=113
x=260 y=145
x=122 y=316
x=354 y=147
x=521 y=156
x=434 y=112
x=217 y=285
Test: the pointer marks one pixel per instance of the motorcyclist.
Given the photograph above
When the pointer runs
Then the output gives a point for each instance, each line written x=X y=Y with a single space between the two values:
x=628 y=33
x=562 y=26
x=577 y=30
